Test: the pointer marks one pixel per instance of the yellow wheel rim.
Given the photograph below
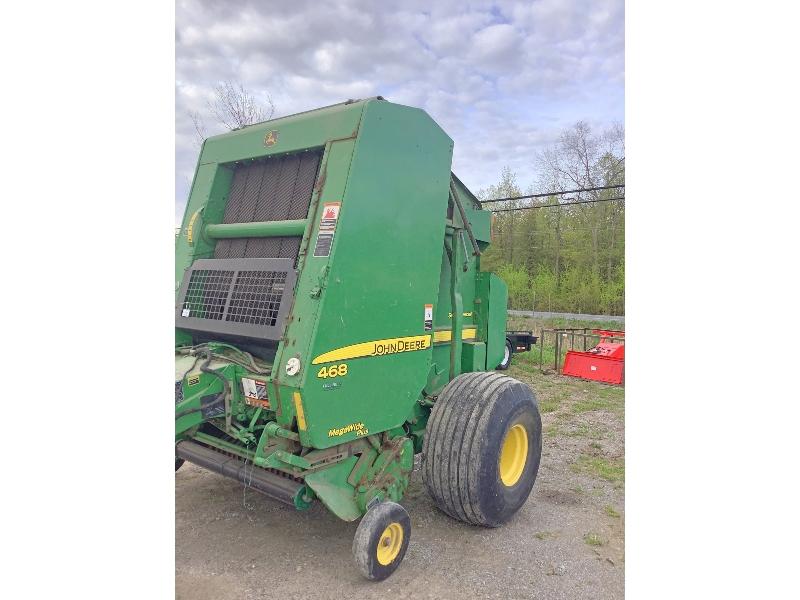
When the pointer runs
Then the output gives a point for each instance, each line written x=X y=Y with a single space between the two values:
x=513 y=455
x=390 y=543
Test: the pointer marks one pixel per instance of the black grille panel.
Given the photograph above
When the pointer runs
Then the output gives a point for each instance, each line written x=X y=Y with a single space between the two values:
x=275 y=189
x=206 y=294
x=248 y=297
x=256 y=297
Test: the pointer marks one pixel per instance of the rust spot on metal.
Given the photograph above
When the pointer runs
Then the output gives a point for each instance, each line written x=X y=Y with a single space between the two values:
x=278 y=403
x=322 y=177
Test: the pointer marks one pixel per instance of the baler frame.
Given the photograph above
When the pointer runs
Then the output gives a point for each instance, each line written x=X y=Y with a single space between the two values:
x=330 y=398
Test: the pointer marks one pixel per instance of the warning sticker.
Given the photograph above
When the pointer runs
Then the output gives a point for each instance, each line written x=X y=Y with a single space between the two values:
x=428 y=317
x=327 y=227
x=255 y=392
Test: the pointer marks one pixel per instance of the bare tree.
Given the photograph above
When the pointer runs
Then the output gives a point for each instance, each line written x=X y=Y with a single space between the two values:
x=582 y=159
x=233 y=107
x=199 y=126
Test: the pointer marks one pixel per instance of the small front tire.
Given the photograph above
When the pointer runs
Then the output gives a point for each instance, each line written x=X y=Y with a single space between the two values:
x=178 y=463
x=381 y=540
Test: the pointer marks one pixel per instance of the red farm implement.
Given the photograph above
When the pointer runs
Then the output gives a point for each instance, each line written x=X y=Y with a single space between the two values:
x=605 y=362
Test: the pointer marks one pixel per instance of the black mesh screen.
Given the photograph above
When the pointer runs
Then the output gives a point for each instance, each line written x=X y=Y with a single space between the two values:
x=207 y=292
x=247 y=297
x=256 y=297
x=275 y=189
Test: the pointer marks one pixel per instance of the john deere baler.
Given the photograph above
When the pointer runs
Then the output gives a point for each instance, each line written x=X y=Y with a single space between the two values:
x=333 y=321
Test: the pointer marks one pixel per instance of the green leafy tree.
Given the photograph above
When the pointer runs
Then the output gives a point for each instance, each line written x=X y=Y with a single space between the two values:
x=571 y=258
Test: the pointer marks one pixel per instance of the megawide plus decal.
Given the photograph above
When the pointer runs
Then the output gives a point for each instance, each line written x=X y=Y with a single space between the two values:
x=340 y=431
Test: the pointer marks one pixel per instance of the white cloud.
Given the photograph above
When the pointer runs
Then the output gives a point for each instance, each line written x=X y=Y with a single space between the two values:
x=501 y=78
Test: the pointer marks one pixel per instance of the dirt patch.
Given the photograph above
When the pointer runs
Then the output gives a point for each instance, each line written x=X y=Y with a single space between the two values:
x=566 y=542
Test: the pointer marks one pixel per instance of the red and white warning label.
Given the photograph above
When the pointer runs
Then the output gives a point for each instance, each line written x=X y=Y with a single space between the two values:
x=428 y=317
x=327 y=227
x=255 y=392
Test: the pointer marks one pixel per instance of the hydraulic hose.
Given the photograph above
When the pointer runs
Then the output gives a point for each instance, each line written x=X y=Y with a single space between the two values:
x=224 y=395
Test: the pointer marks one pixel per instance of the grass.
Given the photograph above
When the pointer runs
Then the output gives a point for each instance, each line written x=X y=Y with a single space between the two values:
x=610 y=469
x=551 y=430
x=549 y=405
x=612 y=403
x=544 y=535
x=528 y=360
x=593 y=539
x=611 y=512
x=555 y=323
x=584 y=430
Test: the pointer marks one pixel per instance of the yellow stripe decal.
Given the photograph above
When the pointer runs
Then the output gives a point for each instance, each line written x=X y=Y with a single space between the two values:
x=190 y=227
x=446 y=335
x=376 y=348
x=298 y=409
x=391 y=346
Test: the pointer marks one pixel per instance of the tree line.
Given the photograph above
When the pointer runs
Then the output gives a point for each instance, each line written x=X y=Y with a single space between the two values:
x=570 y=258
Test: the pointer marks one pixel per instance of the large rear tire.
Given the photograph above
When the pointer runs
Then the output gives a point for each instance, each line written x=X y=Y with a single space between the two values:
x=482 y=448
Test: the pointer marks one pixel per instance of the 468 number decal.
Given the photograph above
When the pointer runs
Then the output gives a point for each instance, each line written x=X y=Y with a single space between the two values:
x=333 y=371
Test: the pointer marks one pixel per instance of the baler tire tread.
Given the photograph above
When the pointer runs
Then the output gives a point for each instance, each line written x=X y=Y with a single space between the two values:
x=460 y=463
x=441 y=420
x=458 y=486
x=446 y=476
x=466 y=404
x=466 y=461
x=451 y=432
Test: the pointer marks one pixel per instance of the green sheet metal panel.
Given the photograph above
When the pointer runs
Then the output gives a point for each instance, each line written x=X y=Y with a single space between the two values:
x=295 y=133
x=492 y=314
x=383 y=269
x=481 y=222
x=473 y=357
x=312 y=279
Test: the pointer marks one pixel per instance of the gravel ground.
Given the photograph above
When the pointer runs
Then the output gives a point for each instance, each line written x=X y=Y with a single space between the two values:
x=566 y=542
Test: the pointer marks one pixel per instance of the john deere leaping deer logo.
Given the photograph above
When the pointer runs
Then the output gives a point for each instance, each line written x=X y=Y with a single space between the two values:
x=271 y=138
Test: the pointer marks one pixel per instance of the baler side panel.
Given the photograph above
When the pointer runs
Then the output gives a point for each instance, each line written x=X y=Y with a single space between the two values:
x=384 y=267
x=206 y=205
x=492 y=315
x=313 y=277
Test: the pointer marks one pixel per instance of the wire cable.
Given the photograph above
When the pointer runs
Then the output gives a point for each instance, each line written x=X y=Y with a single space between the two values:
x=548 y=194
x=498 y=210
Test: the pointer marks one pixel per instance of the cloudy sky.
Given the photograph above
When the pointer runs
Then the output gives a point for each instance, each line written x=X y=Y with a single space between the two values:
x=501 y=78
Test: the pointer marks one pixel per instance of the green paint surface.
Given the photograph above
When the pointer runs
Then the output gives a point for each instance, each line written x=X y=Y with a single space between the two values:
x=369 y=361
